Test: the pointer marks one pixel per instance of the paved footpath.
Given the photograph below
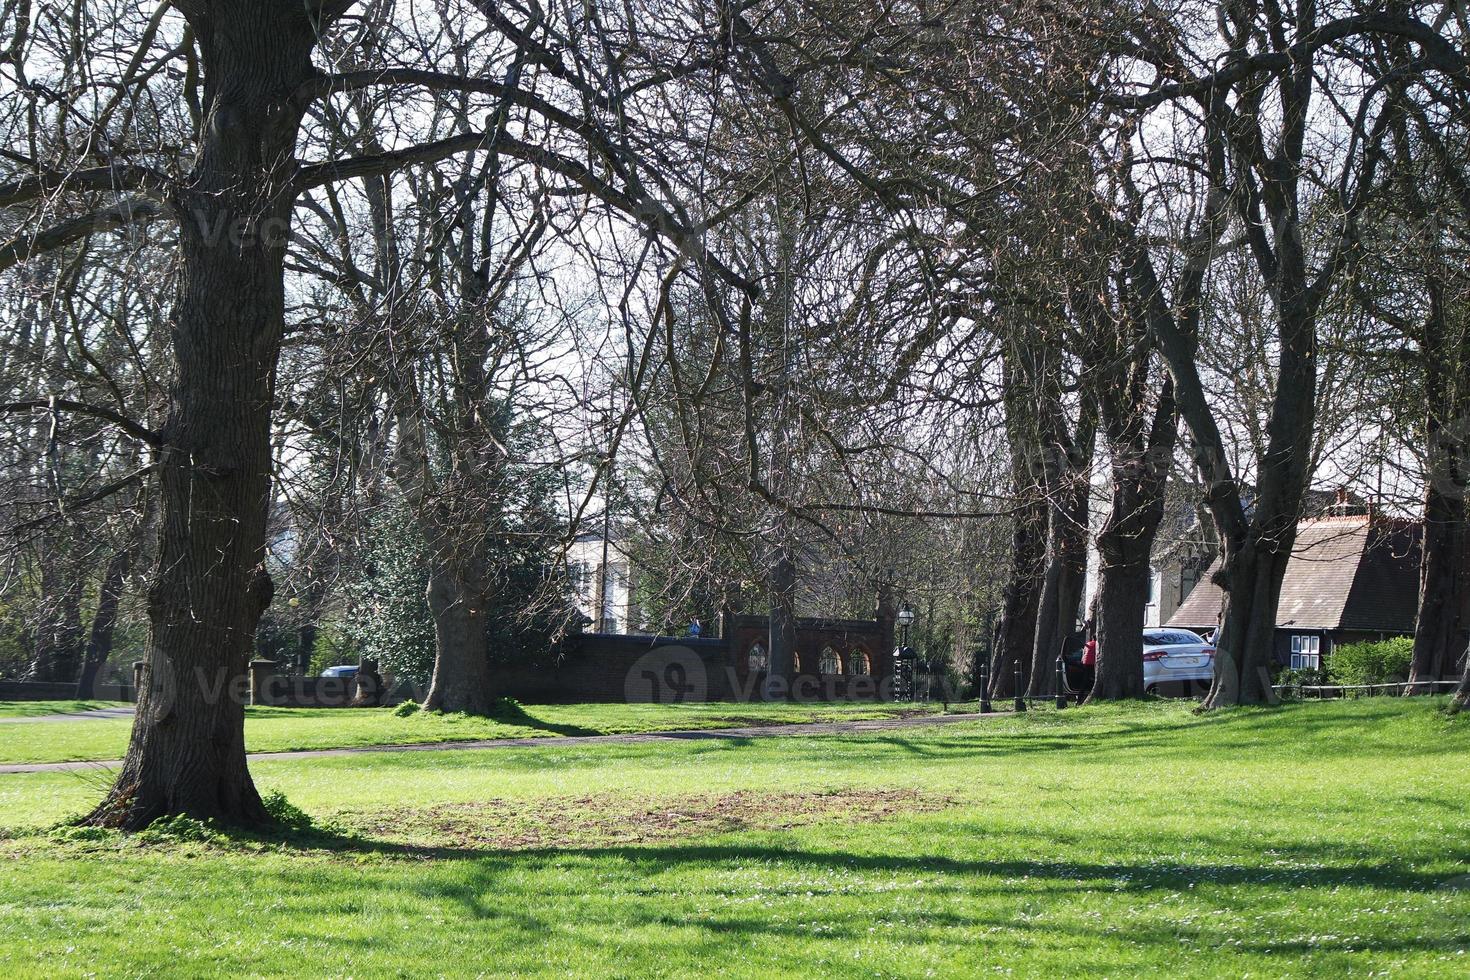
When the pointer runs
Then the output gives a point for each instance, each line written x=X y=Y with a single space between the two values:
x=122 y=711
x=564 y=741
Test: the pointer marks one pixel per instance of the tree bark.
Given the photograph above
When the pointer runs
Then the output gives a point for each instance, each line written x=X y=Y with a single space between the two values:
x=104 y=622
x=1141 y=444
x=1124 y=546
x=781 y=637
x=1444 y=586
x=1122 y=595
x=1066 y=569
x=368 y=685
x=1444 y=593
x=1255 y=547
x=1022 y=599
x=1031 y=408
x=461 y=647
x=187 y=752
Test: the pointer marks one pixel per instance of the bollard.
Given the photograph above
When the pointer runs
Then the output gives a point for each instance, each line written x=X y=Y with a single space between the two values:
x=1020 y=689
x=1061 y=683
x=985 y=686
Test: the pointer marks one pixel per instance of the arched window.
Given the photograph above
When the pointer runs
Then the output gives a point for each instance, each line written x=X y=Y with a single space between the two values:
x=829 y=662
x=757 y=658
x=858 y=662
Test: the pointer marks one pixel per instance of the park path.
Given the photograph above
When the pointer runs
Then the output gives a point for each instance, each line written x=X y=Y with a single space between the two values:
x=564 y=741
x=117 y=712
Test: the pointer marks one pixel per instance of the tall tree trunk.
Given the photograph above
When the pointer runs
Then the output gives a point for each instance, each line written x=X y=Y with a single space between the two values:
x=1031 y=407
x=461 y=645
x=1255 y=545
x=187 y=752
x=1122 y=595
x=306 y=635
x=1124 y=546
x=1440 y=630
x=1021 y=601
x=782 y=626
x=1066 y=570
x=104 y=621
x=1140 y=466
x=1255 y=559
x=1444 y=593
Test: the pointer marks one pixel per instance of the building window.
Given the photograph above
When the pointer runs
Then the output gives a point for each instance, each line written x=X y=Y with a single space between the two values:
x=1306 y=652
x=757 y=658
x=828 y=662
x=1188 y=579
x=858 y=663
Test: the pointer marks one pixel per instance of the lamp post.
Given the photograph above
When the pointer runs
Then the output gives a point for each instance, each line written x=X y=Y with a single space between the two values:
x=904 y=657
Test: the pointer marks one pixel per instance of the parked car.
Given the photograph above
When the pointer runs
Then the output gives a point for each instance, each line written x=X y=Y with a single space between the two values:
x=1170 y=657
x=1174 y=656
x=1079 y=674
x=343 y=671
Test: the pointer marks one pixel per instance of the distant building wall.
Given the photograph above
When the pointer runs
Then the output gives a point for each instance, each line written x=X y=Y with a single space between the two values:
x=636 y=668
x=65 y=691
x=585 y=566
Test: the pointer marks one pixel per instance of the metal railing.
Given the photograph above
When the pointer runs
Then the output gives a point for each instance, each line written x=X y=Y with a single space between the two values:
x=1342 y=690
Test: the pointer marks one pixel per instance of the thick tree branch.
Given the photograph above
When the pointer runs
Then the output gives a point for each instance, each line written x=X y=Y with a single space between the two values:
x=125 y=177
x=126 y=212
x=140 y=432
x=1438 y=53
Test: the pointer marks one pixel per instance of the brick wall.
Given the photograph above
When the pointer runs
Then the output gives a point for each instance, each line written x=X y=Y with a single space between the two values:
x=45 y=691
x=607 y=667
x=620 y=668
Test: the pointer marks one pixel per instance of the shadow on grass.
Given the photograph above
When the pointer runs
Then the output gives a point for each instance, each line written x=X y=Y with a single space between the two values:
x=1060 y=873
x=510 y=713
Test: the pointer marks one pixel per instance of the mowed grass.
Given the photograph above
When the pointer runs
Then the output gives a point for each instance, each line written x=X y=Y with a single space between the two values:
x=288 y=729
x=1323 y=839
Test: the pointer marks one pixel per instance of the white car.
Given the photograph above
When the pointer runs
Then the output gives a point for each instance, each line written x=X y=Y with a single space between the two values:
x=1172 y=656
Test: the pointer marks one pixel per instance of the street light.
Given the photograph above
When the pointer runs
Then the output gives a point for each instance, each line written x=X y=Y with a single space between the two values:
x=904 y=657
x=905 y=620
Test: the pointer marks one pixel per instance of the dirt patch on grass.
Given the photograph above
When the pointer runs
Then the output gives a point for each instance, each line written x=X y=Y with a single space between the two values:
x=607 y=819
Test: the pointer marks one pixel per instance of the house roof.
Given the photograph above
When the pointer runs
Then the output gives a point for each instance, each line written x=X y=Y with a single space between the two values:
x=1346 y=573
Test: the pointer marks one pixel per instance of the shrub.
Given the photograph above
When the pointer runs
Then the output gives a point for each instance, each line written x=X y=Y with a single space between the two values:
x=286 y=813
x=388 y=618
x=1290 y=682
x=406 y=708
x=180 y=829
x=68 y=834
x=1384 y=662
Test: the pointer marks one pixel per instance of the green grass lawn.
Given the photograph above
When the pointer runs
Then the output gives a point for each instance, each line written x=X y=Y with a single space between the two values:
x=286 y=729
x=1321 y=839
x=34 y=709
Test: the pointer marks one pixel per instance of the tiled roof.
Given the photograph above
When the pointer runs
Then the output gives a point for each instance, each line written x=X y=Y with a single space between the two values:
x=1356 y=573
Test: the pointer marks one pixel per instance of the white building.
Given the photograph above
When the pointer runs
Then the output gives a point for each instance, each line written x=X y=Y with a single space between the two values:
x=603 y=583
